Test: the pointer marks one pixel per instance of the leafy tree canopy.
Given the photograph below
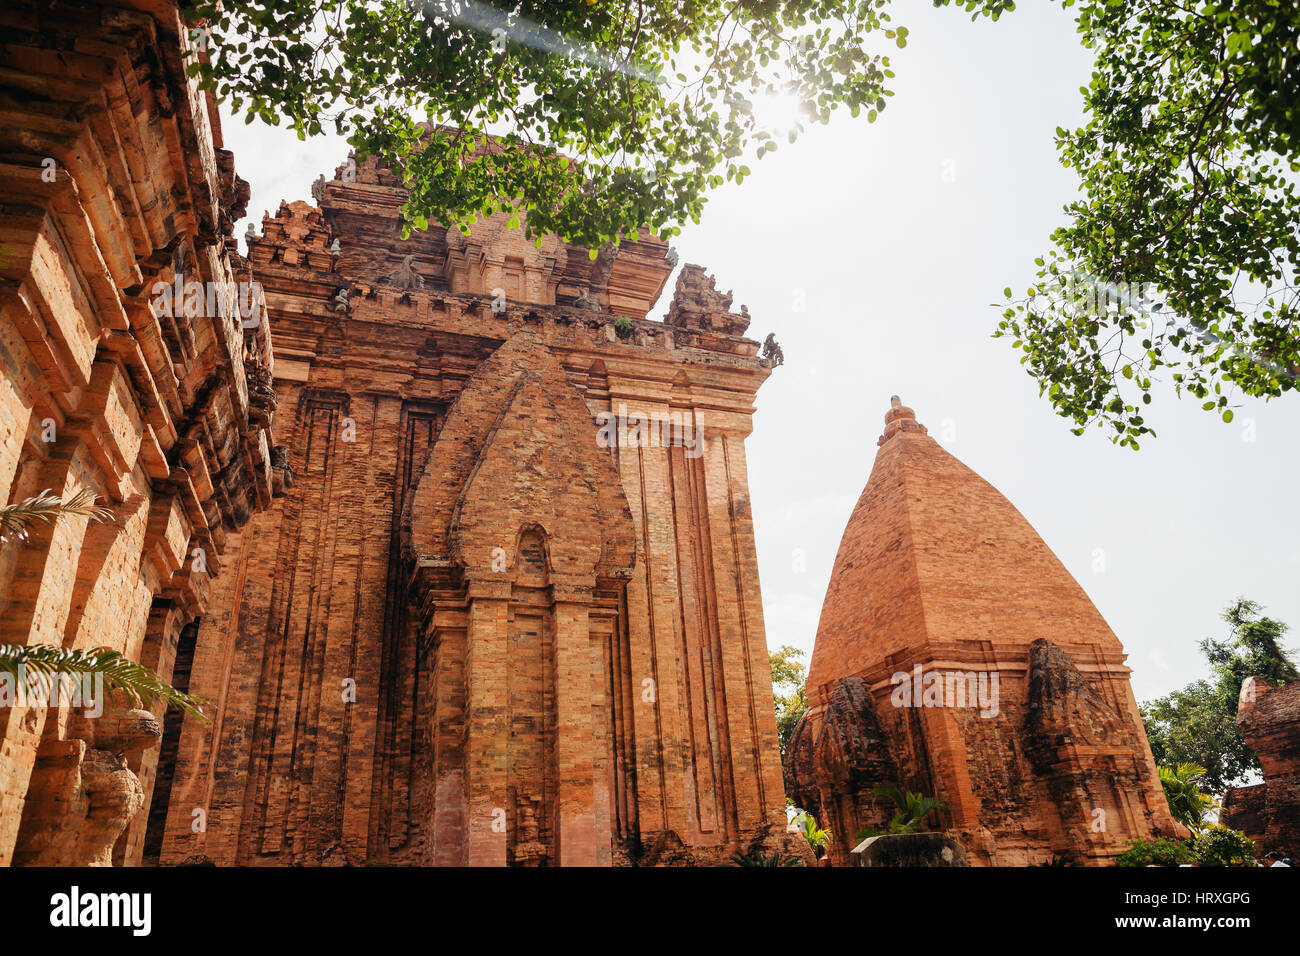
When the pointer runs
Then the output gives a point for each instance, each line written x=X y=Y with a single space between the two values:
x=1254 y=649
x=1197 y=725
x=788 y=669
x=1178 y=262
x=789 y=675
x=611 y=114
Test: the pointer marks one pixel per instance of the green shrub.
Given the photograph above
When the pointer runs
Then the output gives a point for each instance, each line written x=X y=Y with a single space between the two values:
x=1164 y=851
x=817 y=837
x=1217 y=845
x=623 y=326
x=913 y=808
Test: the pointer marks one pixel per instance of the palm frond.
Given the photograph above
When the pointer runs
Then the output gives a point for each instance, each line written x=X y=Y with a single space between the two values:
x=138 y=683
x=17 y=519
x=1188 y=803
x=890 y=791
x=816 y=837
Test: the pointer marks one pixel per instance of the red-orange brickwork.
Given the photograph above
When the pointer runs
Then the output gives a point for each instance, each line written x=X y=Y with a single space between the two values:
x=1022 y=720
x=1268 y=718
x=487 y=623
x=494 y=600
x=115 y=192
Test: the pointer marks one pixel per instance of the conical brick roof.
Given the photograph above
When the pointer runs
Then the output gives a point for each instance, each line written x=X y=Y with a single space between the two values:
x=935 y=554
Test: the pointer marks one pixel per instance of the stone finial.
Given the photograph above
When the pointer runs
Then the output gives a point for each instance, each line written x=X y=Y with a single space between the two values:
x=698 y=305
x=899 y=418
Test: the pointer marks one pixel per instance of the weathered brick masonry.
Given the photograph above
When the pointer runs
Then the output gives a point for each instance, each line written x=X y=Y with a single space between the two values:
x=938 y=571
x=1269 y=812
x=112 y=179
x=494 y=600
x=470 y=632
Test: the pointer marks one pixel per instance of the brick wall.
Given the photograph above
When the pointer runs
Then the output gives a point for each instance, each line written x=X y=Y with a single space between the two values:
x=603 y=692
x=113 y=179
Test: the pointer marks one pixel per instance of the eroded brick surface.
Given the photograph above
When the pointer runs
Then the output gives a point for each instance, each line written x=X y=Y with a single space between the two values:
x=471 y=632
x=1243 y=810
x=113 y=182
x=1269 y=720
x=938 y=574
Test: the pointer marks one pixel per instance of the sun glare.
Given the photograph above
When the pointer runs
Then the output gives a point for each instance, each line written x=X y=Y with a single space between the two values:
x=779 y=111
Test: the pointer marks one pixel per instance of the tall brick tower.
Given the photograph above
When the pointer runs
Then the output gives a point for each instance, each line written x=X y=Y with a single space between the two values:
x=957 y=657
x=506 y=609
x=115 y=189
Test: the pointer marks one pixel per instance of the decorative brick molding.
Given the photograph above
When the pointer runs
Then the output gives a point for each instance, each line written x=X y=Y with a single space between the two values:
x=113 y=182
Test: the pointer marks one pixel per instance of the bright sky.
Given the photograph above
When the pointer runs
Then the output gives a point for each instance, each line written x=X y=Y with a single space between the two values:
x=896 y=236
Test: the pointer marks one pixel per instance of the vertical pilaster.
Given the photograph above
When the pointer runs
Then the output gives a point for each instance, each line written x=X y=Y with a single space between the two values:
x=486 y=722
x=450 y=809
x=576 y=831
x=733 y=622
x=654 y=622
x=767 y=752
x=652 y=762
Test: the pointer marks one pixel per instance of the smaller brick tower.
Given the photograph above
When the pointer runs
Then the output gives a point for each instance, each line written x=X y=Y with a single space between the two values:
x=957 y=657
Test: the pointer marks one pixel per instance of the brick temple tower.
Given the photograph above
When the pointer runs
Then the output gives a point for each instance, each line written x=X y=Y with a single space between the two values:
x=957 y=657
x=114 y=185
x=506 y=610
